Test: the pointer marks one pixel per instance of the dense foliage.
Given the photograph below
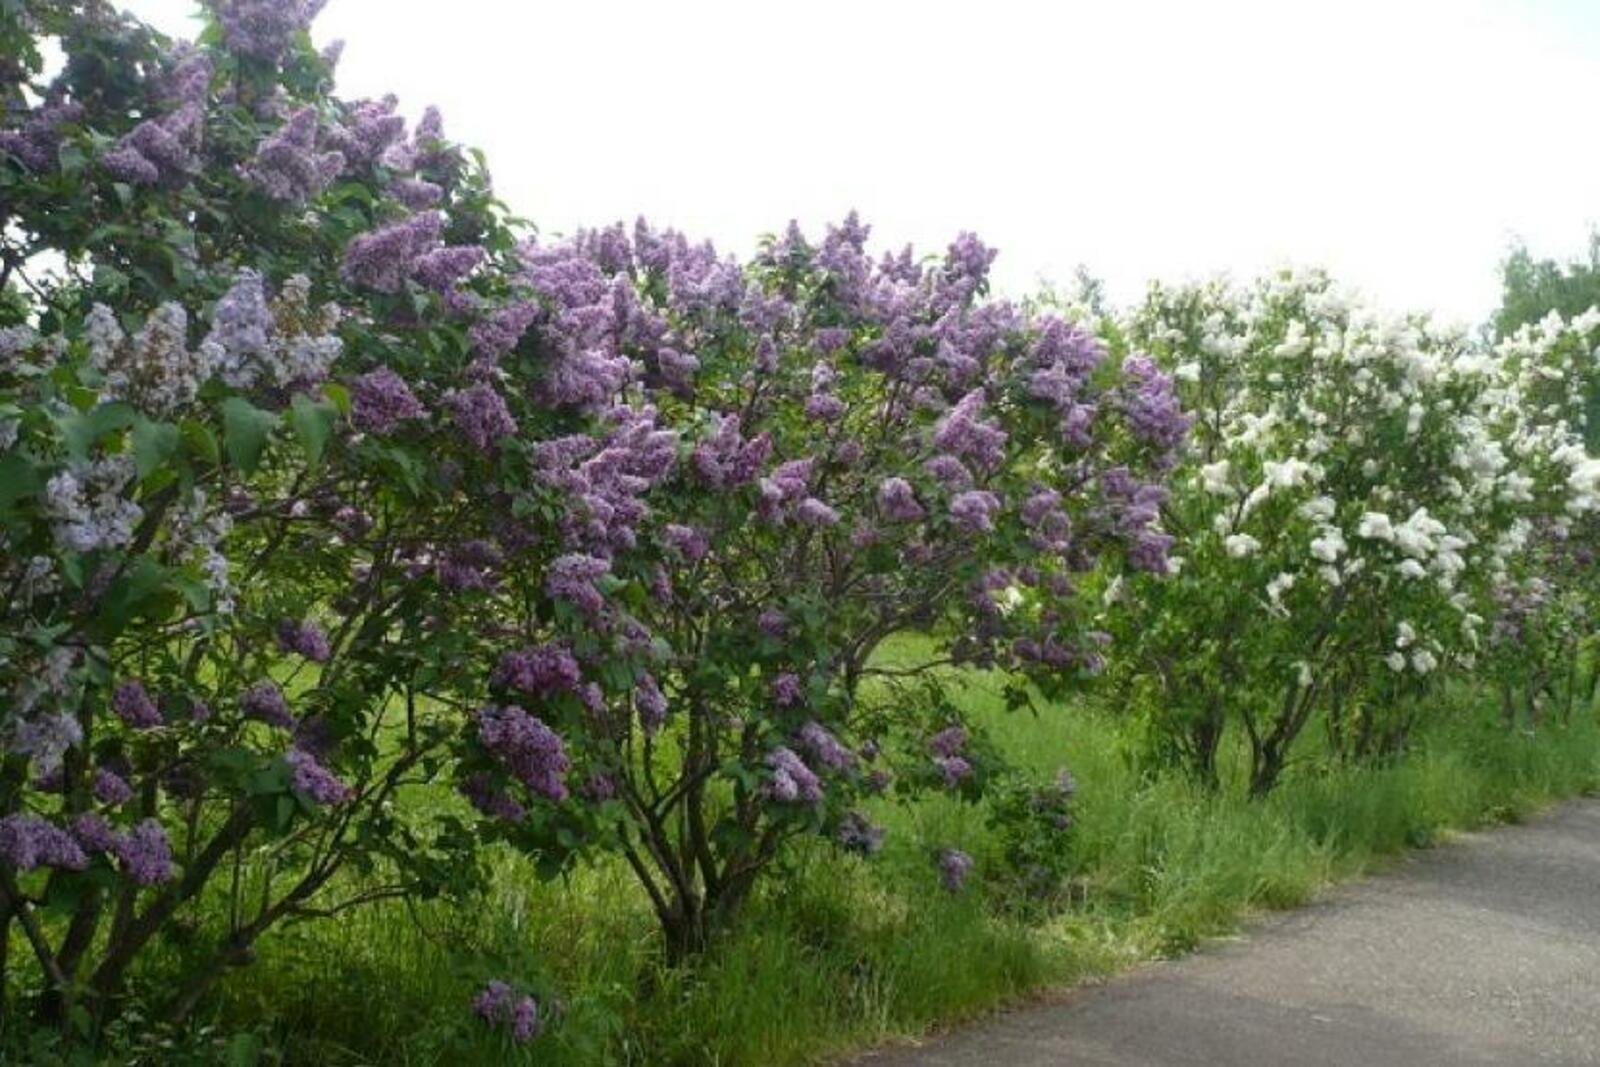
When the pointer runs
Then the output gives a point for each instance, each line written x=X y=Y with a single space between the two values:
x=353 y=535
x=1359 y=498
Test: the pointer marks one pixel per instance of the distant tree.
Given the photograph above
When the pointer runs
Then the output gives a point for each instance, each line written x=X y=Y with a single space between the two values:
x=1532 y=288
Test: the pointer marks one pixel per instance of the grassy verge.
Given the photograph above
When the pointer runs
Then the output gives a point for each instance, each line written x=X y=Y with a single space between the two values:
x=838 y=953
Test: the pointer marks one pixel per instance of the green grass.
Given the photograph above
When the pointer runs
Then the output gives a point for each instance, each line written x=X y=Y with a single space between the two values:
x=837 y=953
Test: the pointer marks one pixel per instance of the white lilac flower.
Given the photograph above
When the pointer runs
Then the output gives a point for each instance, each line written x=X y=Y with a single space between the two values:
x=1241 y=545
x=1329 y=545
x=1375 y=526
x=1396 y=661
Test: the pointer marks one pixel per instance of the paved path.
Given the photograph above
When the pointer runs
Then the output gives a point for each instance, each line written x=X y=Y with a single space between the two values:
x=1484 y=951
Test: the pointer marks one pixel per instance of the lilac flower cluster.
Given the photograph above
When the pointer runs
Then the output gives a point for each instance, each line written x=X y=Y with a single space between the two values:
x=383 y=259
x=157 y=151
x=856 y=833
x=539 y=670
x=1150 y=404
x=826 y=749
x=144 y=853
x=572 y=578
x=265 y=702
x=1133 y=509
x=897 y=501
x=373 y=132
x=262 y=29
x=954 y=866
x=27 y=842
x=480 y=413
x=607 y=476
x=288 y=164
x=313 y=781
x=727 y=459
x=485 y=794
x=470 y=565
x=499 y=1005
x=36 y=141
x=792 y=782
x=132 y=704
x=110 y=787
x=650 y=702
x=304 y=638
x=380 y=400
x=529 y=749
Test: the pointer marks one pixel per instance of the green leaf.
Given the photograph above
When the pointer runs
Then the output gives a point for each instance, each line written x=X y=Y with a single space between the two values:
x=153 y=445
x=83 y=431
x=313 y=423
x=200 y=441
x=17 y=479
x=245 y=429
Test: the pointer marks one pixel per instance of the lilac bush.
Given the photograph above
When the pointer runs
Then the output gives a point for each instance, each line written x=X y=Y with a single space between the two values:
x=787 y=463
x=236 y=521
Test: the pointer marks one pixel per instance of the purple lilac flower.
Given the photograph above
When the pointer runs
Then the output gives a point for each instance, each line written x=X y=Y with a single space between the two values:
x=265 y=702
x=1151 y=404
x=262 y=29
x=950 y=741
x=773 y=623
x=27 y=842
x=955 y=769
x=974 y=510
x=481 y=414
x=37 y=144
x=380 y=400
x=498 y=1005
x=898 y=501
x=470 y=565
x=727 y=460
x=813 y=512
x=598 y=787
x=416 y=194
x=792 y=781
x=305 y=639
x=954 y=866
x=962 y=433
x=529 y=749
x=383 y=258
x=485 y=794
x=689 y=542
x=314 y=781
x=857 y=834
x=287 y=165
x=950 y=471
x=538 y=670
x=650 y=702
x=159 y=150
x=443 y=267
x=144 y=852
x=372 y=132
x=572 y=578
x=111 y=788
x=786 y=689
x=825 y=748
x=133 y=706
x=499 y=331
x=93 y=833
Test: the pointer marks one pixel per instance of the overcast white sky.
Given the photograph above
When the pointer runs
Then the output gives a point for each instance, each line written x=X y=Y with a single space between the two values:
x=1402 y=143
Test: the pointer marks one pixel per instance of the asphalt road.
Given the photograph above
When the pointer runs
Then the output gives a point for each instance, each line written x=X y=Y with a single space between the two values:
x=1483 y=951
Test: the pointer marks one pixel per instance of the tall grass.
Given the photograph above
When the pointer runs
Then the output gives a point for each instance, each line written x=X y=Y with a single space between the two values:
x=837 y=952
